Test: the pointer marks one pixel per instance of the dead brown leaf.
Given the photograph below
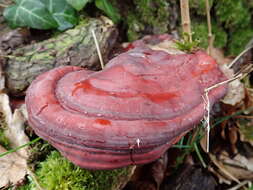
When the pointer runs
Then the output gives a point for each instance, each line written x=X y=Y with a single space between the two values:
x=13 y=166
x=235 y=89
x=239 y=166
x=158 y=169
x=236 y=92
x=222 y=171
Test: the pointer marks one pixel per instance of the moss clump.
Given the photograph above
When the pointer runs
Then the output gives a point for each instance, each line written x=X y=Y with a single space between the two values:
x=200 y=32
x=200 y=6
x=39 y=151
x=148 y=17
x=4 y=141
x=232 y=20
x=239 y=39
x=30 y=185
x=58 y=173
x=234 y=13
x=134 y=27
x=187 y=46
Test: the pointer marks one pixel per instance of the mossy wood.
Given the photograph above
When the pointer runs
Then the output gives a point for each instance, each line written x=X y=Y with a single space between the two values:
x=73 y=47
x=56 y=172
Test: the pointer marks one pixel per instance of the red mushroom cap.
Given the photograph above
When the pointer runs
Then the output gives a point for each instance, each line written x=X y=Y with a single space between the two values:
x=129 y=113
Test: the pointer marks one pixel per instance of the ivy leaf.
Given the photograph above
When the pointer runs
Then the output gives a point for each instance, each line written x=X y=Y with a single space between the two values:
x=62 y=12
x=78 y=4
x=32 y=13
x=109 y=10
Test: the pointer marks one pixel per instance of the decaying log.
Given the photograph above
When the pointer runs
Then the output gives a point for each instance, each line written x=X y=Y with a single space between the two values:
x=74 y=47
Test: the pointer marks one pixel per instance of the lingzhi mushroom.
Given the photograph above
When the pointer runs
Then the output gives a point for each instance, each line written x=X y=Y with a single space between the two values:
x=131 y=112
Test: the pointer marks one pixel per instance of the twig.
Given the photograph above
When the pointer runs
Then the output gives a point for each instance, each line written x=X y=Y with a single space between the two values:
x=222 y=83
x=245 y=70
x=241 y=74
x=7 y=56
x=244 y=116
x=185 y=18
x=209 y=25
x=239 y=56
x=238 y=186
x=207 y=119
x=223 y=170
x=98 y=49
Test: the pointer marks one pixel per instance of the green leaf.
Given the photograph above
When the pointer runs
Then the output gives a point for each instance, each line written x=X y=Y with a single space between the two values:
x=32 y=13
x=17 y=1
x=65 y=16
x=109 y=10
x=78 y=4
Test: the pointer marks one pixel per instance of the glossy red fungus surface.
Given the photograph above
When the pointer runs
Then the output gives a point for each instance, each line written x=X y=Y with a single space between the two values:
x=129 y=113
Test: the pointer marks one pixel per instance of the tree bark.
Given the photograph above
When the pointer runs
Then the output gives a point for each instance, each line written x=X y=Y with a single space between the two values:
x=73 y=47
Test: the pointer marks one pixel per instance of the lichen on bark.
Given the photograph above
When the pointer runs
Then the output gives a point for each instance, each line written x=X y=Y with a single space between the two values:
x=73 y=47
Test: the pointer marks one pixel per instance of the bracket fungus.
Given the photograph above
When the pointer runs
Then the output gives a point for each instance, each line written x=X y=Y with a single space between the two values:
x=131 y=112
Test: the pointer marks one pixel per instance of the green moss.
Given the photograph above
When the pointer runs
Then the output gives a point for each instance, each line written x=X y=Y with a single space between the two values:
x=199 y=6
x=39 y=151
x=30 y=185
x=4 y=141
x=200 y=32
x=154 y=13
x=134 y=27
x=233 y=13
x=58 y=173
x=250 y=188
x=232 y=23
x=147 y=17
x=246 y=128
x=239 y=40
x=185 y=45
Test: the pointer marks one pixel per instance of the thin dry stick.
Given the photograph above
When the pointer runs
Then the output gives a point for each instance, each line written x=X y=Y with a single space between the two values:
x=239 y=56
x=241 y=74
x=209 y=25
x=98 y=49
x=223 y=169
x=238 y=186
x=222 y=83
x=185 y=18
x=244 y=116
x=207 y=119
x=244 y=72
x=7 y=56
